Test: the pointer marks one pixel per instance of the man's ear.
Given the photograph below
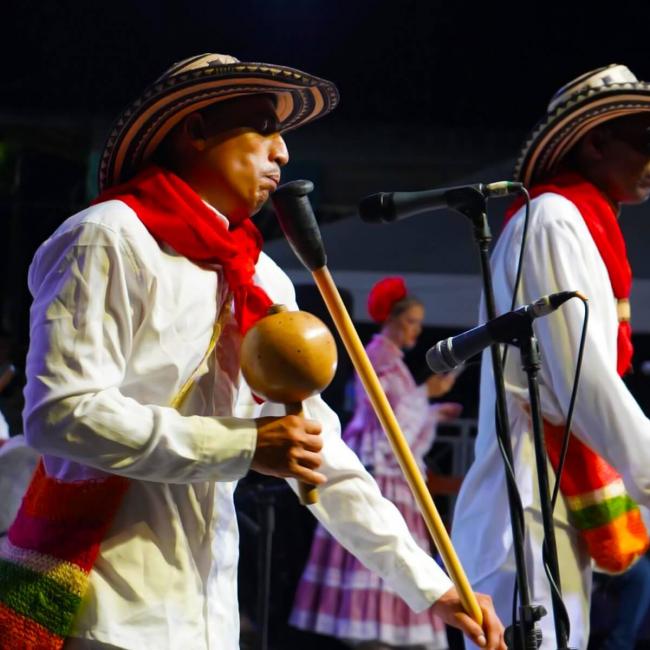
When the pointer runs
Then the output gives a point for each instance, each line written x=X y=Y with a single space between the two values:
x=193 y=127
x=593 y=144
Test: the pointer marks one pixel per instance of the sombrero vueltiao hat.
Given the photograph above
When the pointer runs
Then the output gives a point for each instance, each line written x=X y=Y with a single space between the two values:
x=195 y=83
x=591 y=99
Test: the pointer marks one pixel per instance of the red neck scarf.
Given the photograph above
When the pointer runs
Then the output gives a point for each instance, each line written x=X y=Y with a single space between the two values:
x=600 y=219
x=176 y=215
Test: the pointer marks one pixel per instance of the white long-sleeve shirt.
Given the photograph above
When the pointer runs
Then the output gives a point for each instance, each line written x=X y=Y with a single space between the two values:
x=117 y=326
x=561 y=255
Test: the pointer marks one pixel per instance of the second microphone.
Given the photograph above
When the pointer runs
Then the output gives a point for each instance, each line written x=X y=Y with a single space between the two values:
x=453 y=351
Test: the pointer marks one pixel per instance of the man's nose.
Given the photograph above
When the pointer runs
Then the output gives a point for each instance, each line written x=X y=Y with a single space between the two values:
x=278 y=153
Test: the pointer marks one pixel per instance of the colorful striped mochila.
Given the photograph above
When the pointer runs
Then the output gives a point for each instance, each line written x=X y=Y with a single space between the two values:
x=47 y=556
x=606 y=516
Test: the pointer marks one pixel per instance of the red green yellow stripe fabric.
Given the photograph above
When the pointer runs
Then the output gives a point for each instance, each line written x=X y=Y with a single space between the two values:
x=47 y=556
x=599 y=507
x=69 y=576
x=18 y=631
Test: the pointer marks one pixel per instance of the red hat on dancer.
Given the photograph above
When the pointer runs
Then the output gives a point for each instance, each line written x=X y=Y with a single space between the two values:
x=383 y=296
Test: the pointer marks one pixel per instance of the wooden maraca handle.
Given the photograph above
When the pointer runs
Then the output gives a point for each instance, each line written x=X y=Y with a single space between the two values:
x=307 y=492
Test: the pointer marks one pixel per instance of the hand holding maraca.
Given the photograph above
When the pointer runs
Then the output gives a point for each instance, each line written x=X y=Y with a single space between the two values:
x=289 y=446
x=287 y=357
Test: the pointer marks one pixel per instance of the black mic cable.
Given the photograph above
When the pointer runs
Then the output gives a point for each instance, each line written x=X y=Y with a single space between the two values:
x=509 y=469
x=557 y=594
x=566 y=438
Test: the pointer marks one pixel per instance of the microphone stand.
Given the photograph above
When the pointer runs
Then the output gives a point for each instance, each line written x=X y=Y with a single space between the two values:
x=264 y=498
x=524 y=635
x=266 y=518
x=530 y=360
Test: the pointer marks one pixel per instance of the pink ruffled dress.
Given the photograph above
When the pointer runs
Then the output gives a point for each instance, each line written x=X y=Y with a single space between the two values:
x=337 y=595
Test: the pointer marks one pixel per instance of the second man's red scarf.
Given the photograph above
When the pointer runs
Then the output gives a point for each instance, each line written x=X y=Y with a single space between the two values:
x=608 y=519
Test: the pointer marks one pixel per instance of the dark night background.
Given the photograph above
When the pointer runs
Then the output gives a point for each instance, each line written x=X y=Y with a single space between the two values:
x=475 y=75
x=412 y=61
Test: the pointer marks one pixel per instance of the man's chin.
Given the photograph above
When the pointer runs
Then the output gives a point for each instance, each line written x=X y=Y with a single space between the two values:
x=259 y=203
x=641 y=195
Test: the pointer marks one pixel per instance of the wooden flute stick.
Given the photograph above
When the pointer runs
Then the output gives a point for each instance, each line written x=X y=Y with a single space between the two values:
x=402 y=451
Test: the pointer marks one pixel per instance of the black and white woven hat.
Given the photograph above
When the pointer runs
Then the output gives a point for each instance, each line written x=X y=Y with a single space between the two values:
x=195 y=83
x=584 y=103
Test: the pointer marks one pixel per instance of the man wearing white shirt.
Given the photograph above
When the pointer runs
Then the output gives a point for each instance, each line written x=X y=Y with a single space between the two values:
x=133 y=383
x=586 y=158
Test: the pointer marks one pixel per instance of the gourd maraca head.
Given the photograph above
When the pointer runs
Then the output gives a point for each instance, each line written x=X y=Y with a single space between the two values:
x=288 y=356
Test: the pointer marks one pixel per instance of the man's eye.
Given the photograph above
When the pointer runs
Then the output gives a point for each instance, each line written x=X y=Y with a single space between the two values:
x=267 y=125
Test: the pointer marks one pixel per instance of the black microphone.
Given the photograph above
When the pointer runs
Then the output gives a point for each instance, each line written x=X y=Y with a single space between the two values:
x=452 y=352
x=392 y=206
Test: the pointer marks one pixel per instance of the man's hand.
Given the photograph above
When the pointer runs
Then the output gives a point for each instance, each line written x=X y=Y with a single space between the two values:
x=289 y=446
x=448 y=607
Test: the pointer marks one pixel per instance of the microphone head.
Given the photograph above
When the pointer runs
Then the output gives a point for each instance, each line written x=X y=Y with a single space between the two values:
x=298 y=222
x=440 y=357
x=377 y=208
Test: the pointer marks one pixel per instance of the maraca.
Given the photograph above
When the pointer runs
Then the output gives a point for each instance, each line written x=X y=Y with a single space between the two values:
x=286 y=357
